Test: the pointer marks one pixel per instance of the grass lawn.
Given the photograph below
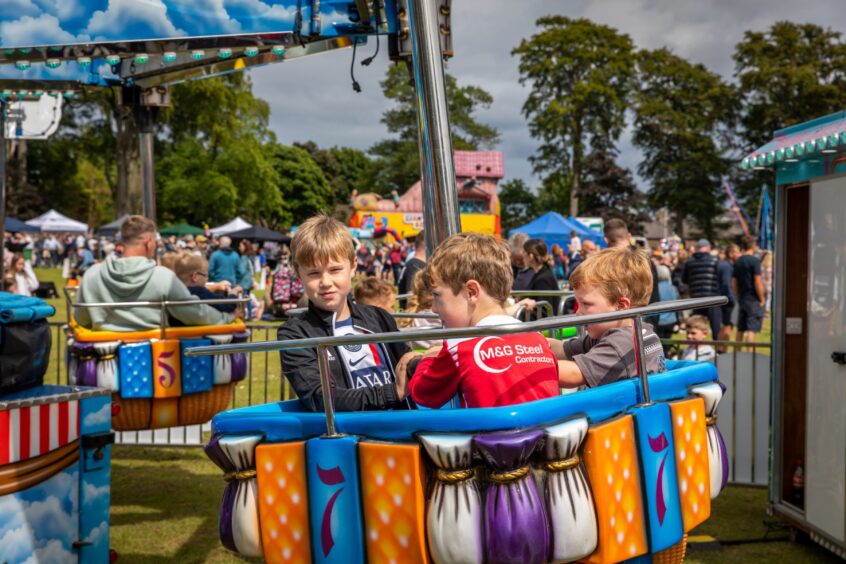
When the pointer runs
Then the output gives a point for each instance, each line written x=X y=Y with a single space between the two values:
x=165 y=503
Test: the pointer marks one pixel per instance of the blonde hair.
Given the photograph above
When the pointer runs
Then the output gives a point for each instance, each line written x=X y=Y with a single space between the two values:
x=420 y=300
x=372 y=289
x=319 y=240
x=620 y=272
x=767 y=259
x=169 y=259
x=698 y=322
x=187 y=264
x=471 y=256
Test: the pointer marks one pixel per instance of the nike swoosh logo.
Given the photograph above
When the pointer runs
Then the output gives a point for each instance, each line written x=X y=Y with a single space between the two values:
x=354 y=363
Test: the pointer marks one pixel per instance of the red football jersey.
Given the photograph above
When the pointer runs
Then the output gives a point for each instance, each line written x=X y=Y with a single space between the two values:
x=488 y=371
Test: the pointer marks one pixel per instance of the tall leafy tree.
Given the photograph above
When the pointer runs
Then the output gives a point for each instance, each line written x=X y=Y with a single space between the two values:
x=302 y=185
x=346 y=169
x=580 y=75
x=518 y=205
x=398 y=158
x=609 y=191
x=216 y=155
x=786 y=75
x=683 y=113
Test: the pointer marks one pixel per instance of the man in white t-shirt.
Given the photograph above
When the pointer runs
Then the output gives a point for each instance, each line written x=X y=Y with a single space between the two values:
x=575 y=245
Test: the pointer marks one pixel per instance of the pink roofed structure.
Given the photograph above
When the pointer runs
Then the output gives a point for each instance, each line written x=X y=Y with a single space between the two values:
x=477 y=174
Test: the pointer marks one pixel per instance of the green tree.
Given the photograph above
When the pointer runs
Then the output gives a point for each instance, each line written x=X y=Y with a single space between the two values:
x=789 y=74
x=683 y=113
x=398 y=159
x=357 y=170
x=786 y=75
x=580 y=75
x=346 y=169
x=302 y=185
x=215 y=155
x=609 y=191
x=517 y=205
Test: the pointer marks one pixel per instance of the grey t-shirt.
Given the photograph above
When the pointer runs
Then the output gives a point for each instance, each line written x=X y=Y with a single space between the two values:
x=612 y=357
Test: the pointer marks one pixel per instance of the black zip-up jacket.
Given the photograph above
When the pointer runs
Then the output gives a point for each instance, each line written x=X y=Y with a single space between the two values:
x=300 y=365
x=544 y=279
x=700 y=275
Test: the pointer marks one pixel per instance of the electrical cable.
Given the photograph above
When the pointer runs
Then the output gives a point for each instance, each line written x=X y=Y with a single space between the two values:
x=366 y=62
x=355 y=85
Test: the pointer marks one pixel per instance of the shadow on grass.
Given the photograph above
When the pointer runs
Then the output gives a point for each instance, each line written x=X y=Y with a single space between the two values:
x=165 y=506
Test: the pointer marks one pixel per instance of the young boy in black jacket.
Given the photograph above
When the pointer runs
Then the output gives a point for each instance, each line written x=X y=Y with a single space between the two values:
x=363 y=376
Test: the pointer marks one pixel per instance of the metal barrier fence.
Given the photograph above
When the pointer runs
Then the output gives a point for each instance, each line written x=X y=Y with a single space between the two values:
x=743 y=416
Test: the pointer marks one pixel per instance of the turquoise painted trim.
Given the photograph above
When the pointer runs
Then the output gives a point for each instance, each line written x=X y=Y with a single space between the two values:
x=802 y=171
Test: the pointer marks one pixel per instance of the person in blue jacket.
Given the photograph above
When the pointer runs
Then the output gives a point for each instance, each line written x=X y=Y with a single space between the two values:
x=225 y=264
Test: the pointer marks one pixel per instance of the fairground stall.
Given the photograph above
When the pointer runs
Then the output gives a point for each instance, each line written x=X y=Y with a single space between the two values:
x=808 y=466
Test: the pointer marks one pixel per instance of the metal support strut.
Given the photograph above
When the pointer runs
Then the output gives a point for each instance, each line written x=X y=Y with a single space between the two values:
x=326 y=388
x=146 y=118
x=437 y=171
x=640 y=356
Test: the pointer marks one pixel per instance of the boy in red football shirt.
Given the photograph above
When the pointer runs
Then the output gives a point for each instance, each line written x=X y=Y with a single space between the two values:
x=470 y=278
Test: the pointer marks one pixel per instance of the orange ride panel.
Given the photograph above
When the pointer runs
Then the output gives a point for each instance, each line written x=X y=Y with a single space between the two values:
x=392 y=487
x=612 y=465
x=283 y=502
x=691 y=443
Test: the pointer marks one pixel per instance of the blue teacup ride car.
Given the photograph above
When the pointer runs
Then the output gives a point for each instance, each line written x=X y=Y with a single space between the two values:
x=615 y=473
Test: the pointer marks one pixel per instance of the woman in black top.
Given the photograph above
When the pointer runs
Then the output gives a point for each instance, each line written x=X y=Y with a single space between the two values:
x=538 y=259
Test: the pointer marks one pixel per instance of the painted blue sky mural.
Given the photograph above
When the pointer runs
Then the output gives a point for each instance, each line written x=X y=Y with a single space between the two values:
x=61 y=22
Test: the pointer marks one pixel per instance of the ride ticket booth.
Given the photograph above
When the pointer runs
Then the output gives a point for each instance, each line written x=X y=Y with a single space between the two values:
x=808 y=454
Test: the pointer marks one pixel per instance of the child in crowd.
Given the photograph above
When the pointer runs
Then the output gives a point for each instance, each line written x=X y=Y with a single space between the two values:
x=470 y=278
x=193 y=271
x=612 y=280
x=420 y=301
x=698 y=327
x=364 y=377
x=10 y=285
x=375 y=292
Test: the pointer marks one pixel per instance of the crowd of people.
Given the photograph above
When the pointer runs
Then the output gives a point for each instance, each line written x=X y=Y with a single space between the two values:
x=140 y=265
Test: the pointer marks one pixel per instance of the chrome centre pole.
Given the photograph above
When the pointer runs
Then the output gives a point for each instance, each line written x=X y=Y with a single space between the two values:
x=437 y=170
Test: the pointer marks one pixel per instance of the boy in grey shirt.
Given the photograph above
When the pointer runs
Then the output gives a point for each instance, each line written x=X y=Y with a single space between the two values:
x=612 y=280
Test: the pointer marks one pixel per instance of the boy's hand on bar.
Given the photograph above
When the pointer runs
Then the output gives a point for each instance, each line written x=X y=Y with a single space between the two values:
x=402 y=375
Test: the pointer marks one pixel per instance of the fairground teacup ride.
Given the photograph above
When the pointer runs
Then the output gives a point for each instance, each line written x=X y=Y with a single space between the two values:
x=615 y=473
x=153 y=383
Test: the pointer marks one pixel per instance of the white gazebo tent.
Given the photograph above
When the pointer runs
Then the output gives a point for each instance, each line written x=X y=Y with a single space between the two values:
x=53 y=221
x=236 y=224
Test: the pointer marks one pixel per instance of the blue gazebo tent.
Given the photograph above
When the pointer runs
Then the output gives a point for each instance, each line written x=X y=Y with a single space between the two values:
x=554 y=228
x=13 y=225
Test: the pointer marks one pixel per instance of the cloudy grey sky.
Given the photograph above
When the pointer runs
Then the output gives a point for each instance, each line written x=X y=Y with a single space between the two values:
x=312 y=98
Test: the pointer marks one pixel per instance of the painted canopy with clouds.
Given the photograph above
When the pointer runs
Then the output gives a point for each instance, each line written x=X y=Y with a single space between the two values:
x=97 y=42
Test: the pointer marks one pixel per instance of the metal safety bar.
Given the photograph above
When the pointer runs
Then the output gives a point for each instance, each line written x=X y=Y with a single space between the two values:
x=563 y=294
x=323 y=343
x=395 y=314
x=163 y=305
